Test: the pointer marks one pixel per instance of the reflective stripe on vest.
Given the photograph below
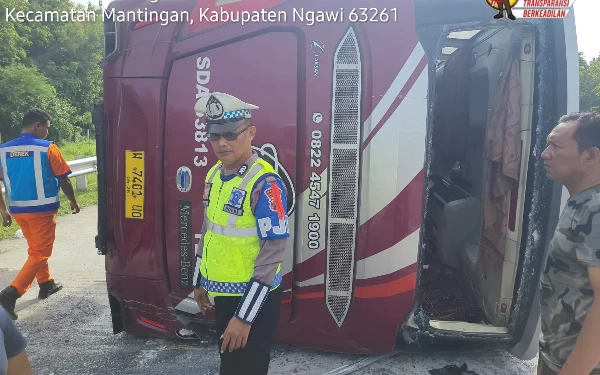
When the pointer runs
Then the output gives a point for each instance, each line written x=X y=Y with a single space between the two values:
x=231 y=232
x=35 y=197
x=233 y=288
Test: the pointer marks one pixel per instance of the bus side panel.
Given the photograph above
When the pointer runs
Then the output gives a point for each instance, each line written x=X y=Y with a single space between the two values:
x=141 y=307
x=134 y=116
x=392 y=94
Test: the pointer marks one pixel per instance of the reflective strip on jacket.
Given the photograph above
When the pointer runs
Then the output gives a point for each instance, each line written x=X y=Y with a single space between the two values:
x=28 y=177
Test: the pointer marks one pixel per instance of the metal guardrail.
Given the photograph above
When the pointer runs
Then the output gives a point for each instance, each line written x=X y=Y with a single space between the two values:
x=80 y=168
x=83 y=166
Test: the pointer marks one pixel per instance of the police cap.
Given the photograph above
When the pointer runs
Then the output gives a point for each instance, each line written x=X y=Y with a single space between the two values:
x=225 y=113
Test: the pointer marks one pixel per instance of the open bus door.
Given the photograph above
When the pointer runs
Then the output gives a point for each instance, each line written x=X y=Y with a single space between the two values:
x=508 y=294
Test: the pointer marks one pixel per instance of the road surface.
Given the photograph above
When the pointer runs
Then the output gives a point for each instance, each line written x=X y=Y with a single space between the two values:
x=70 y=333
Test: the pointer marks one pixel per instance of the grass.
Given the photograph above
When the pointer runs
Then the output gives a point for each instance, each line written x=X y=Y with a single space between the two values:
x=70 y=151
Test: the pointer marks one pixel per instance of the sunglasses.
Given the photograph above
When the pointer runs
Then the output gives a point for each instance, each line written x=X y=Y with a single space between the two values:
x=229 y=136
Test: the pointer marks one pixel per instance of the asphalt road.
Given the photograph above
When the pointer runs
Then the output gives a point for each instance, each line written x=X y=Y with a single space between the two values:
x=70 y=333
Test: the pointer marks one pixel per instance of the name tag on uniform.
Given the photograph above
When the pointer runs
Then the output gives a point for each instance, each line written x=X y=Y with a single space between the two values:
x=236 y=201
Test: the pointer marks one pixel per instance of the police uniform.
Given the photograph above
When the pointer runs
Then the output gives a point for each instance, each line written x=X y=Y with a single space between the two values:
x=244 y=238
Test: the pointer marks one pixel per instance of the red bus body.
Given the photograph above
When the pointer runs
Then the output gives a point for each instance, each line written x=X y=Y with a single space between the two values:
x=345 y=109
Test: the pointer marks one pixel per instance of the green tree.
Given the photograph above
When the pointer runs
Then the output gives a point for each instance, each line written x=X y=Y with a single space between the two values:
x=595 y=76
x=589 y=84
x=53 y=65
x=70 y=55
x=22 y=88
x=13 y=36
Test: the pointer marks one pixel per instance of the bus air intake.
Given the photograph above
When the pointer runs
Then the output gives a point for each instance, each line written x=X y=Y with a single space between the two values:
x=343 y=174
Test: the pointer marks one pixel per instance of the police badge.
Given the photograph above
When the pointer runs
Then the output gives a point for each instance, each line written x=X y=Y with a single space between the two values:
x=214 y=108
x=236 y=200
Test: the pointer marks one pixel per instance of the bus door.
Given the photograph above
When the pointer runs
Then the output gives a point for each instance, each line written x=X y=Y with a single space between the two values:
x=261 y=70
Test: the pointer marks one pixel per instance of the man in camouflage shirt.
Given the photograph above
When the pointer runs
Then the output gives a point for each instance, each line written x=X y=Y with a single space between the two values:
x=570 y=340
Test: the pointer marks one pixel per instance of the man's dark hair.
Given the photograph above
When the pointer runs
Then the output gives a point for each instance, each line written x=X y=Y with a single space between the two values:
x=35 y=115
x=587 y=134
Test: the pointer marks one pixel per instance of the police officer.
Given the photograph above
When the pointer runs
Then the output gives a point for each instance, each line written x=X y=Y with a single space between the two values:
x=32 y=170
x=244 y=237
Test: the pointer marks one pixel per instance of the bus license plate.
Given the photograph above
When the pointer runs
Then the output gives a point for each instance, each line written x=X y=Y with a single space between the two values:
x=134 y=184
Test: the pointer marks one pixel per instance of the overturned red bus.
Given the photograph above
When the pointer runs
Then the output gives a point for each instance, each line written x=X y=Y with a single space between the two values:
x=381 y=124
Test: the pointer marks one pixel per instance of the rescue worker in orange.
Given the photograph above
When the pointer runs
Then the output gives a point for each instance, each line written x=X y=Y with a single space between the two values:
x=32 y=169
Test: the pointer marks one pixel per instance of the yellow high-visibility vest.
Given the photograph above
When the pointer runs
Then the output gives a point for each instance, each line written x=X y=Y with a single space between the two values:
x=231 y=242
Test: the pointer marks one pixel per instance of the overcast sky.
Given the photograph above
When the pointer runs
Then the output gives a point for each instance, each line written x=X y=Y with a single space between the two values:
x=586 y=18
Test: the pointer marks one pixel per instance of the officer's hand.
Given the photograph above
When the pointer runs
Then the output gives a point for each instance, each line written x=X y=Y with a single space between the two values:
x=201 y=297
x=236 y=335
x=6 y=218
x=75 y=207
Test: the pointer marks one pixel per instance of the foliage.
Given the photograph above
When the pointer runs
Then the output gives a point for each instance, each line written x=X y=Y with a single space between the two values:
x=56 y=66
x=13 y=36
x=589 y=84
x=73 y=150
